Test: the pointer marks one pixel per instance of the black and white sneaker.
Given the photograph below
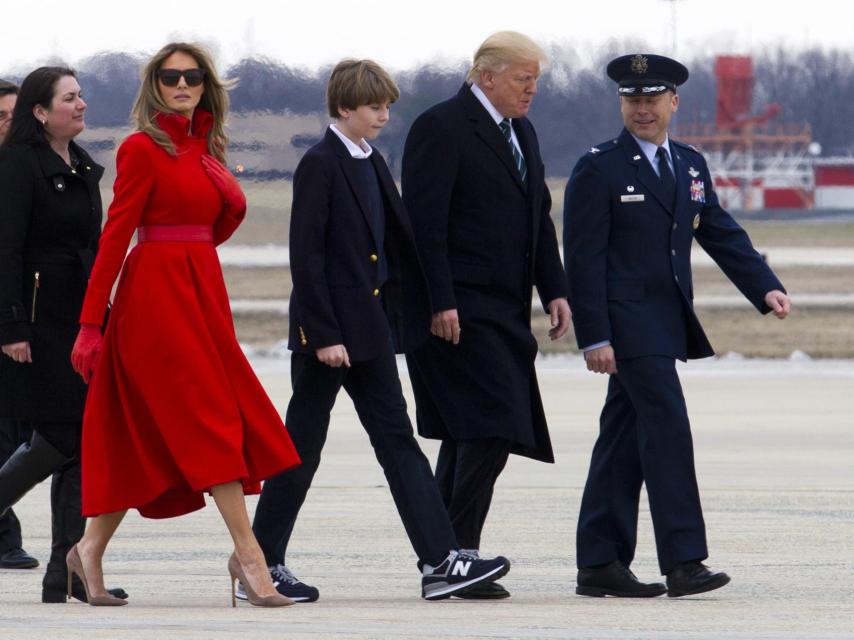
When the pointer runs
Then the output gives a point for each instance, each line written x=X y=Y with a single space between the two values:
x=287 y=584
x=460 y=571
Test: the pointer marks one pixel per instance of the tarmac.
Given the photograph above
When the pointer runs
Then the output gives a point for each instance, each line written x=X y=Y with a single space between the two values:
x=774 y=444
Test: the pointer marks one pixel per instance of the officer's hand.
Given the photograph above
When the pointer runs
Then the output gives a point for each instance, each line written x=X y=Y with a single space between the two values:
x=18 y=351
x=446 y=324
x=560 y=313
x=334 y=356
x=779 y=302
x=601 y=360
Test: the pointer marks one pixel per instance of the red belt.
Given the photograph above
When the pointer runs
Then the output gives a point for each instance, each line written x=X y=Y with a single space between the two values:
x=175 y=233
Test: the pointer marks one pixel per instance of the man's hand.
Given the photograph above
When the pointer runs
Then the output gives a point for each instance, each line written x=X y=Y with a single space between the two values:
x=601 y=360
x=560 y=313
x=334 y=356
x=18 y=351
x=779 y=302
x=446 y=324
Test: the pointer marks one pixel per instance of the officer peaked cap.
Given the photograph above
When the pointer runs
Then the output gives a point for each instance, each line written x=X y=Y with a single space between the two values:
x=646 y=74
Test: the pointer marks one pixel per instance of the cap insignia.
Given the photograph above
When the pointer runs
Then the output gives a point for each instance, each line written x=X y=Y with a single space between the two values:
x=639 y=64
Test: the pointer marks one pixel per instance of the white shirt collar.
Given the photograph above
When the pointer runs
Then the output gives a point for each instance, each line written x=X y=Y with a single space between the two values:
x=360 y=151
x=649 y=149
x=480 y=95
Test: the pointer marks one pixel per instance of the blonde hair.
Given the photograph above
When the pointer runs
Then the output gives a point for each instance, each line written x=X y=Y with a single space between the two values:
x=355 y=83
x=214 y=99
x=502 y=49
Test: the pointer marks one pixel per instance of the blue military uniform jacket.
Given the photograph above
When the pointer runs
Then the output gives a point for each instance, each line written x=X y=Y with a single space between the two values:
x=628 y=251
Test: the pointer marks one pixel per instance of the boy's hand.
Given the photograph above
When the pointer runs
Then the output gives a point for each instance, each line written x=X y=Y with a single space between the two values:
x=334 y=356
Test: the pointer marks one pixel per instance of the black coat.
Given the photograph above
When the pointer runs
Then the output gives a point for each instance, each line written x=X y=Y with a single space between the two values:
x=336 y=296
x=485 y=239
x=50 y=222
x=628 y=252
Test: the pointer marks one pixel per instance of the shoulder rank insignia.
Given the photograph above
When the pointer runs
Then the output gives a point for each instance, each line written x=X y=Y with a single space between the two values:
x=693 y=172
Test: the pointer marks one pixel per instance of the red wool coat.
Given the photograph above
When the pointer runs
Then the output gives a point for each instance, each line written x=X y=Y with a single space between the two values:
x=173 y=406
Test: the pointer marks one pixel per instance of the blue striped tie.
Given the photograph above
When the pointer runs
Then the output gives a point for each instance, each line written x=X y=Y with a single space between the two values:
x=504 y=125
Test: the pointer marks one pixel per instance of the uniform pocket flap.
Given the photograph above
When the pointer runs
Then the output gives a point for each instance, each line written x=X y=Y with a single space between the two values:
x=471 y=273
x=625 y=290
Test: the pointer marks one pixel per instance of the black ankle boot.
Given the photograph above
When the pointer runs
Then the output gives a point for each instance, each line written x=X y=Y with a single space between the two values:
x=67 y=526
x=31 y=463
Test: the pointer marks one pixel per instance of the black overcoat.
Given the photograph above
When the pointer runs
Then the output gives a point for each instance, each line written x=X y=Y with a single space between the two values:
x=336 y=296
x=50 y=222
x=485 y=238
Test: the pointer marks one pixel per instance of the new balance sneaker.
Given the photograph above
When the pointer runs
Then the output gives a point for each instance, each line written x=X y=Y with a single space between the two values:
x=458 y=572
x=287 y=584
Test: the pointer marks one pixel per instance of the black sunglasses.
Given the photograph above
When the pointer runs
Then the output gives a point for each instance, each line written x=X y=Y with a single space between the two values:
x=170 y=77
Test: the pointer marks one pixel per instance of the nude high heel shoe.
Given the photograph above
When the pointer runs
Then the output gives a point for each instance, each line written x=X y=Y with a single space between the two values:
x=235 y=571
x=75 y=565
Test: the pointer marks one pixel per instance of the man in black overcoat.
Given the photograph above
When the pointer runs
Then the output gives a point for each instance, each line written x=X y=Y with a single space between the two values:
x=473 y=182
x=633 y=207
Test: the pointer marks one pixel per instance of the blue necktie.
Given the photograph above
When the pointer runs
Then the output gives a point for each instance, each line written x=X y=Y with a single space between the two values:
x=504 y=125
x=666 y=175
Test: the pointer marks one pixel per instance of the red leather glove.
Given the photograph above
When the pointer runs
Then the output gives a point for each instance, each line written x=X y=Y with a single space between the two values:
x=229 y=188
x=86 y=350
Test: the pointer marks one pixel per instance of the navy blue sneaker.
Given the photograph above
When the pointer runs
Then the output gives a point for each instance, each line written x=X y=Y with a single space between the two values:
x=287 y=584
x=460 y=571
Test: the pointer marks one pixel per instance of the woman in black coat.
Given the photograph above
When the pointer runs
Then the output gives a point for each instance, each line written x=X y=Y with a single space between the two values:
x=50 y=220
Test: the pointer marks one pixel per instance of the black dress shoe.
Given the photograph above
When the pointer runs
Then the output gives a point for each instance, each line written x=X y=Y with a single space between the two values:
x=615 y=579
x=689 y=578
x=54 y=590
x=488 y=591
x=17 y=559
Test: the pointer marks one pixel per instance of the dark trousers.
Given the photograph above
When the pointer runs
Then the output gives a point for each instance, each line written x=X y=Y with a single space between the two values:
x=13 y=433
x=644 y=437
x=375 y=389
x=466 y=471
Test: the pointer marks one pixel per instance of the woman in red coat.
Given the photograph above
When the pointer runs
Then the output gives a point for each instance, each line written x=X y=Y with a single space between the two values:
x=174 y=408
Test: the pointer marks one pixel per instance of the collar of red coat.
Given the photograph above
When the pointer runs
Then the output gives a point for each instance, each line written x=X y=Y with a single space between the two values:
x=177 y=126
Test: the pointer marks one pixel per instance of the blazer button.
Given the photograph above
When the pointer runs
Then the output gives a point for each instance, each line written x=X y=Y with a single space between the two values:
x=673 y=252
x=374 y=257
x=376 y=292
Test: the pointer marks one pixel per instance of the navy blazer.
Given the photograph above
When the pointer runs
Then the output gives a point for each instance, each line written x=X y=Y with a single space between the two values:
x=627 y=251
x=336 y=297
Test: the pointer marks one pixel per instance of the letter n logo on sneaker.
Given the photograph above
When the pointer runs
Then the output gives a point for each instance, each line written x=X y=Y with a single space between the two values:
x=461 y=568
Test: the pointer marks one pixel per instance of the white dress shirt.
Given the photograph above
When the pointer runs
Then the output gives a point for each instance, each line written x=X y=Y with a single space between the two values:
x=361 y=151
x=496 y=115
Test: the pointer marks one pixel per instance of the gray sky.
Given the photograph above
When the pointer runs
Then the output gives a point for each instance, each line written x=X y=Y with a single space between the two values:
x=402 y=33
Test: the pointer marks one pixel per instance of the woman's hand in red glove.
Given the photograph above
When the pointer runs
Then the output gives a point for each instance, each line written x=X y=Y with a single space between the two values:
x=86 y=350
x=227 y=184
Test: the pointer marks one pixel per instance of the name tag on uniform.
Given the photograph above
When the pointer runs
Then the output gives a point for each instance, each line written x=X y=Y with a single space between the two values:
x=638 y=197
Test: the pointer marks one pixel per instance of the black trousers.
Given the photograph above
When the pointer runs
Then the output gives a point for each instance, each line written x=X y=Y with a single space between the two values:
x=375 y=389
x=644 y=437
x=13 y=433
x=466 y=471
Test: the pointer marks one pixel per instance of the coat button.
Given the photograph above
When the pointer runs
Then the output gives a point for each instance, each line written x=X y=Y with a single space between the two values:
x=676 y=278
x=374 y=257
x=376 y=292
x=673 y=252
x=674 y=226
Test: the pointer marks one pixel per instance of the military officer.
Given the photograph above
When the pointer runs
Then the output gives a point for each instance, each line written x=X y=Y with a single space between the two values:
x=632 y=208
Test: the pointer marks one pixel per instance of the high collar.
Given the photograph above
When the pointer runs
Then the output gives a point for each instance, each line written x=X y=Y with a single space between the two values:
x=177 y=127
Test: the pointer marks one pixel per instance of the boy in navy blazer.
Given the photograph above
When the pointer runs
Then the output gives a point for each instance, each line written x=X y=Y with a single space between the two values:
x=359 y=295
